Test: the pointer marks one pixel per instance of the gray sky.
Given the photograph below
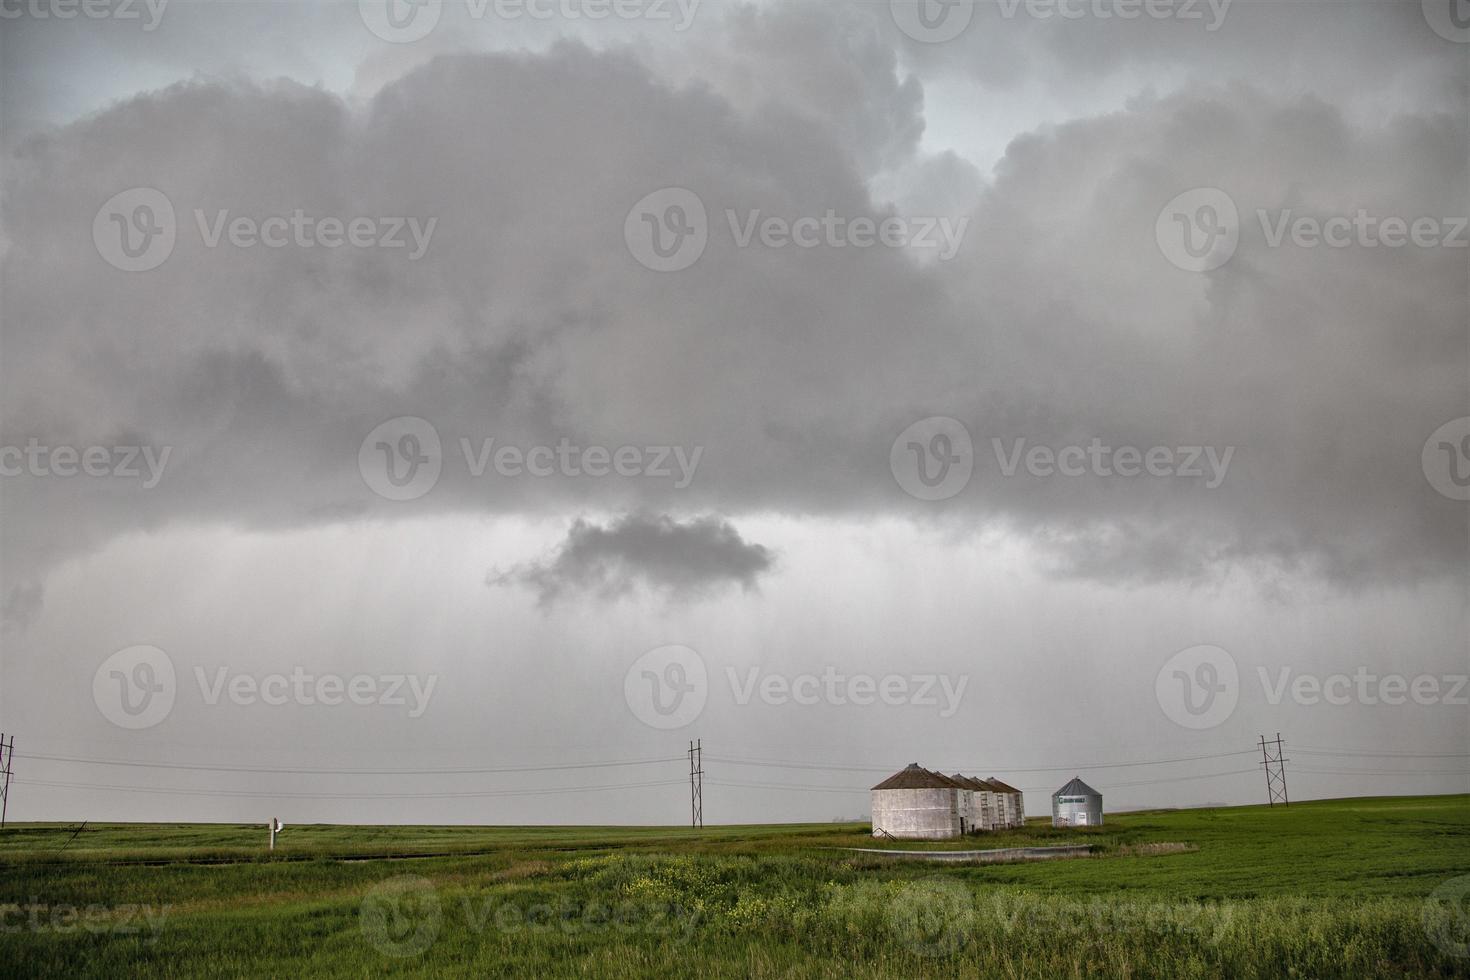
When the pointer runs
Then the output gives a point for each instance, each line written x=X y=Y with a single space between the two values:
x=1052 y=489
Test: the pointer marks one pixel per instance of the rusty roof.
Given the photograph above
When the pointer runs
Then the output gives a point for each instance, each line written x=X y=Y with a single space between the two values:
x=915 y=776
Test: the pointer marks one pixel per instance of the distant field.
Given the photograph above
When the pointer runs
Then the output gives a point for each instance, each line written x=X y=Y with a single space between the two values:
x=1344 y=888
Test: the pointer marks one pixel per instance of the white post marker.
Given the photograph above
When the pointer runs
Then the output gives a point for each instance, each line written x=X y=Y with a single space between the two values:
x=275 y=827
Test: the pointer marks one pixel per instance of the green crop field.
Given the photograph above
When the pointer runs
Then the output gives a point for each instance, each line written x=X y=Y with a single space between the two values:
x=1340 y=888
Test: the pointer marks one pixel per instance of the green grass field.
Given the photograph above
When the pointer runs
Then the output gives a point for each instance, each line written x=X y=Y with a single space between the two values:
x=1342 y=888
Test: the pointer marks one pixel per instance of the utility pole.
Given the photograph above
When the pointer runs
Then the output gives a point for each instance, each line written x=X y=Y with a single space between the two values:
x=1275 y=766
x=5 y=763
x=696 y=783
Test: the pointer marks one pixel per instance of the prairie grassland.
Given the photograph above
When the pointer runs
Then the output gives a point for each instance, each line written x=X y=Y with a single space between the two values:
x=1345 y=888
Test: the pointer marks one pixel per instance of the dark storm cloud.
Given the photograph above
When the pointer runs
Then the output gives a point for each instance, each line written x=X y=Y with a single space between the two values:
x=526 y=320
x=680 y=560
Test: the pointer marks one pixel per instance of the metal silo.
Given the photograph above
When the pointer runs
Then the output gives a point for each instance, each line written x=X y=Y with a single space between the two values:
x=1076 y=805
x=919 y=804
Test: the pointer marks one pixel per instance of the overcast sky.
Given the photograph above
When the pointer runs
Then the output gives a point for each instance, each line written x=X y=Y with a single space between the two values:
x=1098 y=398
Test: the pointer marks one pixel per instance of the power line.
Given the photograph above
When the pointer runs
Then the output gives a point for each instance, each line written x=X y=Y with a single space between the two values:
x=1386 y=772
x=171 y=791
x=1353 y=754
x=1029 y=789
x=993 y=767
x=350 y=772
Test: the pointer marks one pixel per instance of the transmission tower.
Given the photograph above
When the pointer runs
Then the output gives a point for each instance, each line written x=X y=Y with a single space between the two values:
x=696 y=784
x=1275 y=766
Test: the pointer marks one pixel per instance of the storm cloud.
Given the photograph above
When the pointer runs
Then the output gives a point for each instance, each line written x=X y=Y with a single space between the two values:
x=526 y=320
x=680 y=560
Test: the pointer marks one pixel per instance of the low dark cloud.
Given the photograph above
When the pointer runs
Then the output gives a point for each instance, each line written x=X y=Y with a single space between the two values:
x=680 y=560
x=527 y=320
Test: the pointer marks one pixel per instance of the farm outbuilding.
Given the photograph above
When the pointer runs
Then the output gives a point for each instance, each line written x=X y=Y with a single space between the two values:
x=918 y=804
x=1011 y=803
x=1076 y=805
x=922 y=804
x=978 y=802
